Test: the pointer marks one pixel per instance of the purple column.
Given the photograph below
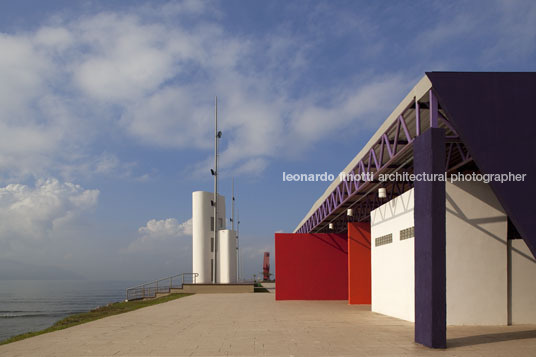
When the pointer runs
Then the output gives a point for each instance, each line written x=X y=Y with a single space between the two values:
x=430 y=235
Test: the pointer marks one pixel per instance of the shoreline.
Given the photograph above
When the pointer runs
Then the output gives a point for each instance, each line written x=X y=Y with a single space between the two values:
x=111 y=309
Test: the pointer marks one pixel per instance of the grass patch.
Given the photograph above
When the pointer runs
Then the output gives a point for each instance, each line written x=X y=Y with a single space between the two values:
x=258 y=288
x=95 y=314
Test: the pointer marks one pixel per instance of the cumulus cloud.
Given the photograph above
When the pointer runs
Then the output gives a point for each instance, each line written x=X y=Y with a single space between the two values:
x=35 y=213
x=149 y=75
x=165 y=228
x=155 y=232
x=153 y=80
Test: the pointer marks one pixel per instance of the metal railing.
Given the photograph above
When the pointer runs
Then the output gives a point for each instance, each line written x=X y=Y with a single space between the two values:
x=164 y=285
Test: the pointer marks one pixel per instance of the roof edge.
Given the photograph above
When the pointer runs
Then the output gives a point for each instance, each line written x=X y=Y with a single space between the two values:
x=418 y=91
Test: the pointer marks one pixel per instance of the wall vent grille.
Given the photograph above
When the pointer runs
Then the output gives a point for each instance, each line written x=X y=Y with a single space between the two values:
x=407 y=233
x=386 y=239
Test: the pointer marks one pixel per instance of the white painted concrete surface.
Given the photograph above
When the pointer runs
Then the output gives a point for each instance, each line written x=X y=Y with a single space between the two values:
x=477 y=275
x=523 y=284
x=392 y=265
x=227 y=257
x=476 y=256
x=202 y=233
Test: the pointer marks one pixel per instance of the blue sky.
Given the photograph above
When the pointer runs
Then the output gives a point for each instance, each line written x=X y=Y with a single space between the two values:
x=106 y=112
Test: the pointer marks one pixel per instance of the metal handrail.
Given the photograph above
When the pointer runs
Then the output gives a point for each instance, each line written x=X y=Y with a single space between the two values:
x=150 y=289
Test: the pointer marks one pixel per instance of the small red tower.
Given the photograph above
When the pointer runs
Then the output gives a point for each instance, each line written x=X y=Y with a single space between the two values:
x=266 y=266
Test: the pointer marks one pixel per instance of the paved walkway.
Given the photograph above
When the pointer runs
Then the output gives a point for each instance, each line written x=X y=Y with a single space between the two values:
x=255 y=324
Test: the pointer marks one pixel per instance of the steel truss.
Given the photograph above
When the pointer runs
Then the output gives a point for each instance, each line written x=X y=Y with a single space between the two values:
x=392 y=152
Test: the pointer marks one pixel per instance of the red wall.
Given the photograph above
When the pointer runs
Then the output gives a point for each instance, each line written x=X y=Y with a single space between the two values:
x=359 y=263
x=311 y=266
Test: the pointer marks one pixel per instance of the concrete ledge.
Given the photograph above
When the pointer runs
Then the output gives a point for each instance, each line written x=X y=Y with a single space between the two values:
x=207 y=289
x=216 y=288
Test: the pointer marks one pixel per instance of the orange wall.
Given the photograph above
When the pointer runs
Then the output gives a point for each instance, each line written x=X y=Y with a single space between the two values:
x=359 y=263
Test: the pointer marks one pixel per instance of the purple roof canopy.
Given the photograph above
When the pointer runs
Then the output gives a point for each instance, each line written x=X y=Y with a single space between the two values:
x=494 y=114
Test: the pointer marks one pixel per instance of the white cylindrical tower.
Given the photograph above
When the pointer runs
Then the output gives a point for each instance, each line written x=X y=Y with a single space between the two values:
x=203 y=226
x=227 y=257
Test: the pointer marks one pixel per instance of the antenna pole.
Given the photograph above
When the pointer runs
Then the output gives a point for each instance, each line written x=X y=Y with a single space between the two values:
x=233 y=203
x=214 y=269
x=237 y=245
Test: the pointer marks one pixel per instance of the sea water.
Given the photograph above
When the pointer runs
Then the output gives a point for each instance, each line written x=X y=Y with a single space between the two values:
x=31 y=305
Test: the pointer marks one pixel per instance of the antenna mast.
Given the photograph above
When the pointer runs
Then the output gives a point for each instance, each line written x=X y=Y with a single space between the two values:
x=216 y=137
x=237 y=245
x=233 y=203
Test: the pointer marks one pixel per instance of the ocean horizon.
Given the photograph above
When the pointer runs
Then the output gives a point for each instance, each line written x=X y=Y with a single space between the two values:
x=32 y=305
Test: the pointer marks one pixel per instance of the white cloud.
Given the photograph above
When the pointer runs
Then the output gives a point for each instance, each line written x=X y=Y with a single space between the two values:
x=502 y=32
x=153 y=80
x=126 y=58
x=35 y=213
x=363 y=106
x=168 y=118
x=38 y=124
x=156 y=232
x=165 y=228
x=23 y=140
x=57 y=38
x=106 y=163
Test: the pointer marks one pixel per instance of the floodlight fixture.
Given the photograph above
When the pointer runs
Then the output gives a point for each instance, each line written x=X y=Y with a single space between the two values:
x=382 y=192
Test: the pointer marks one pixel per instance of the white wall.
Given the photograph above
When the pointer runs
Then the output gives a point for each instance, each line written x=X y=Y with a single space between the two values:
x=476 y=256
x=477 y=275
x=392 y=265
x=523 y=284
x=202 y=211
x=227 y=257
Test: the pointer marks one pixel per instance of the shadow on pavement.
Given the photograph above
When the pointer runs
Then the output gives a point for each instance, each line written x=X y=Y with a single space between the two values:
x=490 y=338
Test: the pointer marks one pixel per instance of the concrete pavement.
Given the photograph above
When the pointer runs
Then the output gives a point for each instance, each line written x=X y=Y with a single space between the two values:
x=257 y=325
